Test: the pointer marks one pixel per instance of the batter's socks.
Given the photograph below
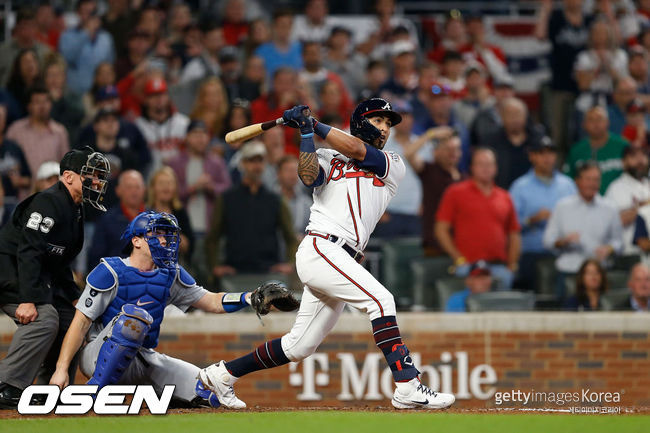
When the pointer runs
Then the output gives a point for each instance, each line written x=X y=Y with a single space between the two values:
x=267 y=355
x=389 y=341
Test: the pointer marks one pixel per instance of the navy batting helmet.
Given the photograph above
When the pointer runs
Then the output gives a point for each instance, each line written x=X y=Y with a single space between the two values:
x=360 y=126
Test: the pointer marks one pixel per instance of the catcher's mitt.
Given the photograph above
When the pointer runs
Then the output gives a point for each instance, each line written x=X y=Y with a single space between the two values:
x=273 y=293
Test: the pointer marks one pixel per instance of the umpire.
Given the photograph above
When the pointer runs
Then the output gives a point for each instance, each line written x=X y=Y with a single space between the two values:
x=37 y=289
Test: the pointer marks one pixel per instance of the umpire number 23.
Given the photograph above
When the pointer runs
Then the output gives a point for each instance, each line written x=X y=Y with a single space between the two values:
x=37 y=222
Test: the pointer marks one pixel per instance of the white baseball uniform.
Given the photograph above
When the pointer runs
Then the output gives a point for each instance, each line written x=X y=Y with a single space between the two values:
x=347 y=205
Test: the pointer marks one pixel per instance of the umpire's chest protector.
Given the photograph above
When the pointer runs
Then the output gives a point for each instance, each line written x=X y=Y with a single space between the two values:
x=148 y=290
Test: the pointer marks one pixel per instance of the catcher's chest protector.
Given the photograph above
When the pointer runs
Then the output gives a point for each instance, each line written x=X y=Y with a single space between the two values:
x=148 y=290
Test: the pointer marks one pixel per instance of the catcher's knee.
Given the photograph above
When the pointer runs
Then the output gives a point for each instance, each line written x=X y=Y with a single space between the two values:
x=116 y=354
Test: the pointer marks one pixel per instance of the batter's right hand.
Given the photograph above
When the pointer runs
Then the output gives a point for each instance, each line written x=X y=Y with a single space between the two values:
x=60 y=378
x=26 y=313
x=296 y=118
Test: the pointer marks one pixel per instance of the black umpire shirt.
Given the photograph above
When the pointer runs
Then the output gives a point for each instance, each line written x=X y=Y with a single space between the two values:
x=37 y=246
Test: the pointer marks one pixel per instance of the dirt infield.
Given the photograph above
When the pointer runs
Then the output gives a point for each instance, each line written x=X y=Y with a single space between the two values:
x=12 y=414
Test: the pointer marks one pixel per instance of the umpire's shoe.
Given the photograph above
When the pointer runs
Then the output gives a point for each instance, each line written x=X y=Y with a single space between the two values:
x=218 y=379
x=414 y=394
x=9 y=396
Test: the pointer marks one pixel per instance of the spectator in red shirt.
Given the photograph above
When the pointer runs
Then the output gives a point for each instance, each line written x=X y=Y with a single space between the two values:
x=47 y=31
x=483 y=221
x=635 y=129
x=454 y=37
x=282 y=96
x=235 y=26
x=490 y=56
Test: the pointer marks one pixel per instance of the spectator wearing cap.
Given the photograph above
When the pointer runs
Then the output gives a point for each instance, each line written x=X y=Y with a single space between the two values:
x=436 y=172
x=104 y=77
x=282 y=96
x=403 y=81
x=636 y=129
x=280 y=51
x=568 y=31
x=402 y=216
x=476 y=95
x=488 y=118
x=342 y=60
x=386 y=27
x=453 y=68
x=202 y=176
x=207 y=63
x=23 y=37
x=105 y=241
x=625 y=92
x=67 y=108
x=103 y=97
x=128 y=137
x=512 y=141
x=162 y=127
x=602 y=146
x=315 y=25
x=478 y=49
x=599 y=67
x=535 y=195
x=453 y=38
x=437 y=111
x=630 y=193
x=583 y=226
x=317 y=76
x=235 y=24
x=478 y=280
x=252 y=244
x=40 y=138
x=231 y=73
x=637 y=67
x=476 y=220
x=15 y=174
x=639 y=287
x=47 y=175
x=85 y=47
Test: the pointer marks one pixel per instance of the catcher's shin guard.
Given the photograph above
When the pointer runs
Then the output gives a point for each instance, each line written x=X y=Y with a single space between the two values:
x=119 y=349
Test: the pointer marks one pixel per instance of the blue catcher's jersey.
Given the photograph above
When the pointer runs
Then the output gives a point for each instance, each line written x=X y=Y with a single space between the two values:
x=148 y=290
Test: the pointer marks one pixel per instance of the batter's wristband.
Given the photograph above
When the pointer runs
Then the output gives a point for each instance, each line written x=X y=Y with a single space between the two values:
x=321 y=129
x=234 y=301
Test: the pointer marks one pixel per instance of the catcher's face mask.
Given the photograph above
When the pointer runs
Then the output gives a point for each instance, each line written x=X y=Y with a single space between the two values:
x=163 y=235
x=94 y=175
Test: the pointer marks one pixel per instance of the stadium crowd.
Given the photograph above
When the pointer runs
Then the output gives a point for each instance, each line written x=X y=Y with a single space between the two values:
x=501 y=192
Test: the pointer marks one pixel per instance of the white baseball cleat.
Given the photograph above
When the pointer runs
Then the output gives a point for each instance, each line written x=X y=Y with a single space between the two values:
x=217 y=379
x=414 y=394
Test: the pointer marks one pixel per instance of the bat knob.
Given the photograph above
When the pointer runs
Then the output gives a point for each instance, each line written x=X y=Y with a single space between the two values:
x=306 y=112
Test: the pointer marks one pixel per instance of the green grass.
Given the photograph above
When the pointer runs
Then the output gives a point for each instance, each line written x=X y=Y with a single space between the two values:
x=332 y=422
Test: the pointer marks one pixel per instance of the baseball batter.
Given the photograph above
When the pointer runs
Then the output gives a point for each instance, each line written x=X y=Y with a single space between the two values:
x=123 y=306
x=353 y=183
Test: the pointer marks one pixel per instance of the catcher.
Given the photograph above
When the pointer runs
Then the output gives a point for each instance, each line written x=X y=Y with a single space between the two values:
x=123 y=305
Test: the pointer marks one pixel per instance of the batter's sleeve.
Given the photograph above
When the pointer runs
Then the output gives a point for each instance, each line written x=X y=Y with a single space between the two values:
x=395 y=170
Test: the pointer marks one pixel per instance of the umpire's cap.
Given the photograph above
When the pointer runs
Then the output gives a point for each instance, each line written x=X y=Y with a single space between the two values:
x=75 y=159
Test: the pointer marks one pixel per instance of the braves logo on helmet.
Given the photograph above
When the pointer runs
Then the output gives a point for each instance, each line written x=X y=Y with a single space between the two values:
x=361 y=127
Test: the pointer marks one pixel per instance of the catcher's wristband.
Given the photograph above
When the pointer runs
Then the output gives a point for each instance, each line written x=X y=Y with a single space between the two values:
x=234 y=301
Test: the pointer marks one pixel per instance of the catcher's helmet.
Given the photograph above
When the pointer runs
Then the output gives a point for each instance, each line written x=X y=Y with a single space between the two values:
x=153 y=226
x=362 y=128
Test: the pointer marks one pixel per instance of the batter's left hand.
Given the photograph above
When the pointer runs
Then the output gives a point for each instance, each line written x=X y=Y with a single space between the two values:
x=299 y=117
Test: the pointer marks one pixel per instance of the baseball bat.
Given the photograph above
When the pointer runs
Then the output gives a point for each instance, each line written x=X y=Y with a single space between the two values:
x=250 y=131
